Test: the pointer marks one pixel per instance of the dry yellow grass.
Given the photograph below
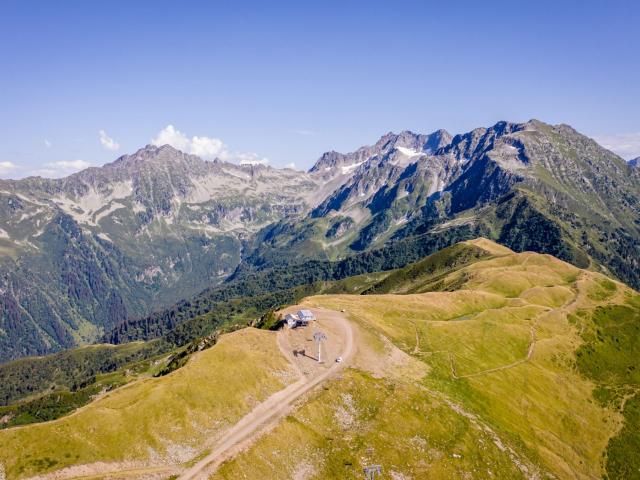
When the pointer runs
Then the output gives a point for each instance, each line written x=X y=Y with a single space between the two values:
x=156 y=420
x=501 y=347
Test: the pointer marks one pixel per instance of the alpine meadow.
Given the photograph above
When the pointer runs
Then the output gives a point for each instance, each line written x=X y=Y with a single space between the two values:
x=311 y=298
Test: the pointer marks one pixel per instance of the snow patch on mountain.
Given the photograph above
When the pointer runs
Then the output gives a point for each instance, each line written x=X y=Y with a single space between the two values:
x=346 y=169
x=410 y=152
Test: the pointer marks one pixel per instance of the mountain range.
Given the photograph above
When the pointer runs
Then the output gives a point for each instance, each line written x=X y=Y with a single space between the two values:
x=83 y=254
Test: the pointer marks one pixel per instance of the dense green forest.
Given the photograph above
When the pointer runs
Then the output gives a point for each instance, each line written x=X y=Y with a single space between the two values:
x=42 y=388
x=251 y=294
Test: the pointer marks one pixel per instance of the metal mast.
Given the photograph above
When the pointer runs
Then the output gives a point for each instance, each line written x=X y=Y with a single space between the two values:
x=319 y=337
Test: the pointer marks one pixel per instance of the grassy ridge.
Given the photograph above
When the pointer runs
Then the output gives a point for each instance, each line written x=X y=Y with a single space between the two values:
x=163 y=418
x=609 y=356
x=518 y=364
x=46 y=388
x=544 y=353
x=360 y=420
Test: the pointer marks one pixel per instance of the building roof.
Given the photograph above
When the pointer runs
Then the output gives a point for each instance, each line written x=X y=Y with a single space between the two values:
x=305 y=313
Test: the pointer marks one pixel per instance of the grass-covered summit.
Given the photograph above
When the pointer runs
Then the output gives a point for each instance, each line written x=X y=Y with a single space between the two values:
x=538 y=355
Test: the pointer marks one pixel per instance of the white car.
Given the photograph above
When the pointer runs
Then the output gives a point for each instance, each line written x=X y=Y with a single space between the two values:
x=339 y=360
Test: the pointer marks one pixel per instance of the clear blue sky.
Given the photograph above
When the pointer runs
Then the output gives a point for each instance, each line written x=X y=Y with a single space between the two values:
x=289 y=80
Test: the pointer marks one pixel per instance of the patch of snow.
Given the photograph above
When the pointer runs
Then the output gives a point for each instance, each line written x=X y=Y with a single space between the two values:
x=3 y=233
x=409 y=152
x=349 y=168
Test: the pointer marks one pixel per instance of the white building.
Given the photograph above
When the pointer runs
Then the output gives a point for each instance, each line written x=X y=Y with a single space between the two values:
x=291 y=320
x=306 y=315
x=300 y=319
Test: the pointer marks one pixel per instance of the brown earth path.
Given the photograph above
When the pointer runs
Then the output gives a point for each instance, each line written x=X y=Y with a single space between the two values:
x=272 y=410
x=532 y=344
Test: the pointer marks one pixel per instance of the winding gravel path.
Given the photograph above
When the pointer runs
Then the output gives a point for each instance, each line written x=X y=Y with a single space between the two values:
x=269 y=412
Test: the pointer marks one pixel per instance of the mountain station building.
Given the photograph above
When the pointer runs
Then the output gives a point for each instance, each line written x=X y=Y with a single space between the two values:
x=300 y=319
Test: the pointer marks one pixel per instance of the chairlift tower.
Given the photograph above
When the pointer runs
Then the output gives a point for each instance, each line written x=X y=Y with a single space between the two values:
x=371 y=471
x=319 y=337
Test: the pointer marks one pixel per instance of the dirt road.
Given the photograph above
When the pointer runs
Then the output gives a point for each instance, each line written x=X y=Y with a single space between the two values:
x=276 y=407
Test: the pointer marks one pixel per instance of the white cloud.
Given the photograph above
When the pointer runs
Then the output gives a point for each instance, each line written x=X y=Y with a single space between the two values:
x=208 y=148
x=108 y=142
x=70 y=164
x=205 y=147
x=44 y=172
x=251 y=159
x=47 y=143
x=60 y=169
x=291 y=165
x=627 y=145
x=169 y=135
x=6 y=167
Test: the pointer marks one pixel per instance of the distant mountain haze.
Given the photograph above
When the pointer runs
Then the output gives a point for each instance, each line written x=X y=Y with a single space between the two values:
x=81 y=254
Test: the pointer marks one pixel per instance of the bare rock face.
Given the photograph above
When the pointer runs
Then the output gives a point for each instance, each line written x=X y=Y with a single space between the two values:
x=532 y=186
x=80 y=254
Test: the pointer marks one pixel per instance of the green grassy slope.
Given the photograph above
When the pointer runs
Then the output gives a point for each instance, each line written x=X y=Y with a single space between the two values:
x=543 y=353
x=160 y=419
x=475 y=362
x=362 y=419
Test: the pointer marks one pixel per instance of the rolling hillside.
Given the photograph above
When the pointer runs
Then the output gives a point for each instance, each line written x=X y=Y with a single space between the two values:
x=476 y=362
x=534 y=353
x=155 y=421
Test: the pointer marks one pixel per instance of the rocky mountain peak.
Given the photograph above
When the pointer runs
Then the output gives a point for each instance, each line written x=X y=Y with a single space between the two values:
x=157 y=155
x=406 y=143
